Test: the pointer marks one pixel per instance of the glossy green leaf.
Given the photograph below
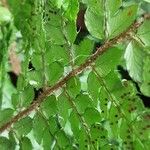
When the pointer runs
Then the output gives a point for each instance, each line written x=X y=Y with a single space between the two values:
x=23 y=98
x=25 y=144
x=143 y=33
x=22 y=12
x=73 y=87
x=99 y=135
x=58 y=39
x=71 y=8
x=94 y=23
x=114 y=116
x=63 y=108
x=101 y=17
x=104 y=99
x=134 y=60
x=95 y=116
x=83 y=142
x=53 y=72
x=23 y=126
x=5 y=144
x=124 y=130
x=56 y=53
x=124 y=18
x=113 y=82
x=12 y=140
x=83 y=51
x=28 y=95
x=70 y=31
x=75 y=124
x=143 y=128
x=62 y=139
x=49 y=106
x=6 y=115
x=108 y=61
x=82 y=101
x=37 y=61
x=47 y=139
x=54 y=125
x=39 y=126
x=145 y=87
x=35 y=78
x=93 y=85
x=57 y=3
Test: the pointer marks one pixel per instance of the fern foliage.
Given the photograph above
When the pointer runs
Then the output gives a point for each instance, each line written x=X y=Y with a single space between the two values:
x=96 y=109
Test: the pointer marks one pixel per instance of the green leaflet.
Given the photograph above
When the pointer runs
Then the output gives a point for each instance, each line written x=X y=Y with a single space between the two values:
x=47 y=139
x=95 y=5
x=53 y=72
x=59 y=26
x=83 y=50
x=125 y=18
x=42 y=131
x=23 y=98
x=137 y=62
x=82 y=140
x=54 y=125
x=49 y=106
x=71 y=8
x=25 y=144
x=137 y=58
x=75 y=124
x=22 y=13
x=143 y=128
x=5 y=116
x=93 y=85
x=12 y=140
x=54 y=35
x=73 y=87
x=95 y=116
x=99 y=135
x=63 y=108
x=104 y=100
x=145 y=86
x=101 y=17
x=126 y=134
x=37 y=61
x=70 y=31
x=57 y=3
x=143 y=33
x=23 y=126
x=108 y=61
x=5 y=144
x=35 y=78
x=52 y=54
x=56 y=53
x=134 y=56
x=114 y=117
x=94 y=23
x=39 y=126
x=82 y=101
x=62 y=139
